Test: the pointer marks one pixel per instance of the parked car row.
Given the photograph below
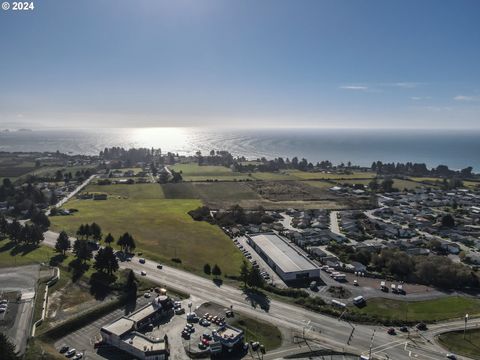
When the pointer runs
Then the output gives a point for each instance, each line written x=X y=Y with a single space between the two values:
x=248 y=256
x=3 y=305
x=70 y=352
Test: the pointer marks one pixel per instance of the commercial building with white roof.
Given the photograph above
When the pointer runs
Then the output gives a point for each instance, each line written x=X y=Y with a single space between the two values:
x=285 y=260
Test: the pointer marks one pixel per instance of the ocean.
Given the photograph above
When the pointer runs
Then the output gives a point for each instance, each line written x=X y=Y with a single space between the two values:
x=457 y=149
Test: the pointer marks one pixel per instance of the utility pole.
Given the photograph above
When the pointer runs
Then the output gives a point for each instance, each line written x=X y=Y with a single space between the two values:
x=465 y=328
x=371 y=344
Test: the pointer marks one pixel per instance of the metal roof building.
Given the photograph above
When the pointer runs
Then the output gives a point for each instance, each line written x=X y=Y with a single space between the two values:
x=286 y=261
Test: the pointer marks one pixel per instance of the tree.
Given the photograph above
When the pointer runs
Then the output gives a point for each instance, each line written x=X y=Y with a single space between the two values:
x=216 y=271
x=82 y=250
x=7 y=348
x=207 y=269
x=39 y=218
x=63 y=243
x=109 y=239
x=14 y=229
x=244 y=273
x=105 y=260
x=255 y=279
x=81 y=231
x=387 y=185
x=126 y=242
x=96 y=231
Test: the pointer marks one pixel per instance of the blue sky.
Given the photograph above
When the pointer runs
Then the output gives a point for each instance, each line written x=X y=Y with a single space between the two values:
x=412 y=64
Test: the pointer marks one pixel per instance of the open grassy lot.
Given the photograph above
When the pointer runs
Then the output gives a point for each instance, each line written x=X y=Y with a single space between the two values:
x=162 y=229
x=180 y=191
x=194 y=172
x=273 y=176
x=225 y=194
x=320 y=184
x=255 y=330
x=431 y=310
x=455 y=343
x=127 y=191
x=11 y=255
x=304 y=175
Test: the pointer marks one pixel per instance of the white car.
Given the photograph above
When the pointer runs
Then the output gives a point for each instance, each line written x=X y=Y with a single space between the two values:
x=3 y=302
x=3 y=309
x=70 y=352
x=147 y=295
x=78 y=356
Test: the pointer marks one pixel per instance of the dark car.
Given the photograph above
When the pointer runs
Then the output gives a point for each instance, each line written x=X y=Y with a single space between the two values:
x=159 y=266
x=421 y=326
x=403 y=329
x=391 y=331
x=63 y=349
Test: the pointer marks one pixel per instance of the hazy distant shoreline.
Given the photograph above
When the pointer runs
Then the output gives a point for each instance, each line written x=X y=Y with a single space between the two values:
x=457 y=149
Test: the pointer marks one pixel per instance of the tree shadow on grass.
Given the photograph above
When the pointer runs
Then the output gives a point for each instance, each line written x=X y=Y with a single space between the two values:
x=257 y=298
x=218 y=282
x=7 y=246
x=100 y=284
x=23 y=249
x=78 y=269
x=56 y=260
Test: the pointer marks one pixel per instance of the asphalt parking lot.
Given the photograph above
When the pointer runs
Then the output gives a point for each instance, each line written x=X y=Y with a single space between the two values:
x=17 y=320
x=83 y=339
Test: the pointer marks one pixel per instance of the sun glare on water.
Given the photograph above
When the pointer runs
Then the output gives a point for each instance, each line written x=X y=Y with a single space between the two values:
x=167 y=138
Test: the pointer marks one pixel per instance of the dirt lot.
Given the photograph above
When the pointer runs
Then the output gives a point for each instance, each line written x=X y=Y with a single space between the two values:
x=375 y=284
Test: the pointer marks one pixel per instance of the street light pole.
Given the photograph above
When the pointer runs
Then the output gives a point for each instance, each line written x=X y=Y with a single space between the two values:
x=465 y=328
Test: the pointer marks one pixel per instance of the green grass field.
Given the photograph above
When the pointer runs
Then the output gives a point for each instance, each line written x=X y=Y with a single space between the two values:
x=23 y=255
x=454 y=342
x=194 y=172
x=255 y=330
x=304 y=175
x=162 y=228
x=127 y=191
x=320 y=184
x=268 y=176
x=432 y=310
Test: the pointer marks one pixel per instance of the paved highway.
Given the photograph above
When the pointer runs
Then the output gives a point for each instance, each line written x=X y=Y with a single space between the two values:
x=325 y=331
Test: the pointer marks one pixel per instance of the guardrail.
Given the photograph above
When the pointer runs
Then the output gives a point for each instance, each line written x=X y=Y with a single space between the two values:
x=52 y=281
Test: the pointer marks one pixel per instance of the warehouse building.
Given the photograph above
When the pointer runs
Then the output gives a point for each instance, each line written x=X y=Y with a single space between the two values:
x=286 y=261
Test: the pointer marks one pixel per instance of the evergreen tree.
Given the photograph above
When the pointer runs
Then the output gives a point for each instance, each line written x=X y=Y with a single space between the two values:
x=63 y=243
x=207 y=269
x=109 y=239
x=82 y=251
x=216 y=271
x=244 y=273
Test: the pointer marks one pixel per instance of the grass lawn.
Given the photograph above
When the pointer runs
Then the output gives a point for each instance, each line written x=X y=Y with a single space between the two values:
x=407 y=184
x=265 y=333
x=126 y=191
x=320 y=184
x=23 y=255
x=194 y=172
x=181 y=190
x=449 y=307
x=162 y=229
x=304 y=175
x=273 y=176
x=454 y=342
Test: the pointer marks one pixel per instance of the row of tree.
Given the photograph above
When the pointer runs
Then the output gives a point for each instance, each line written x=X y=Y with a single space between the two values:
x=21 y=234
x=93 y=230
x=235 y=215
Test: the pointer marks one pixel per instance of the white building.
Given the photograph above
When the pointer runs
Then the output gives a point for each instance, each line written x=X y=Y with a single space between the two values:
x=286 y=261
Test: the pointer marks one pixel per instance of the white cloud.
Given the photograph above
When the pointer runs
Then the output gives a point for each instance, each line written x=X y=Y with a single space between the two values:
x=466 y=98
x=354 y=87
x=406 y=85
x=418 y=98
